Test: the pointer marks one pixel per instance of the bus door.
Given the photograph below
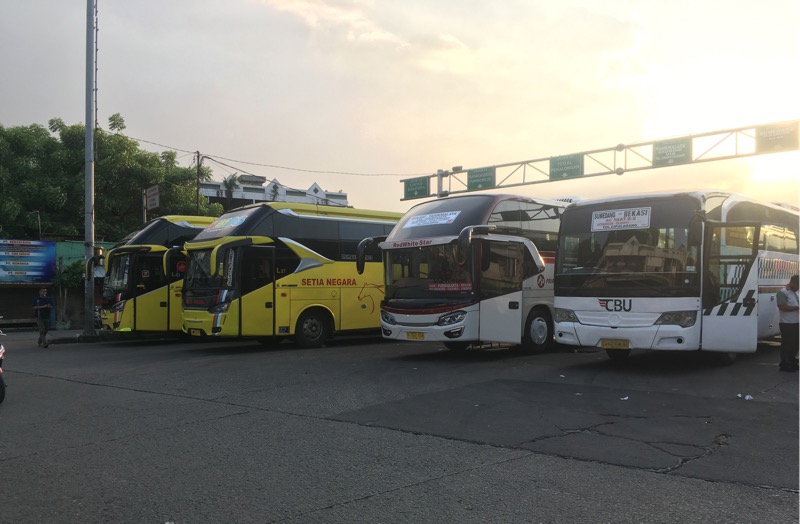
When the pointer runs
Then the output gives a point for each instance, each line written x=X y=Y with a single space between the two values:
x=175 y=269
x=499 y=279
x=257 y=270
x=730 y=288
x=150 y=293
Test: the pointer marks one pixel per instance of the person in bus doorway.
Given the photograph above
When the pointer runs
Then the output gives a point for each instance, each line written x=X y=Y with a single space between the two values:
x=42 y=304
x=789 y=310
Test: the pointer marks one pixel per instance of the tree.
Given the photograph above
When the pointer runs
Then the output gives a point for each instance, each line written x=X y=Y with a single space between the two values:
x=116 y=123
x=229 y=183
x=42 y=181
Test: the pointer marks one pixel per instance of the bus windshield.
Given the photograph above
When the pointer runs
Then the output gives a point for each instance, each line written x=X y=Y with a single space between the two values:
x=117 y=277
x=430 y=272
x=198 y=277
x=632 y=248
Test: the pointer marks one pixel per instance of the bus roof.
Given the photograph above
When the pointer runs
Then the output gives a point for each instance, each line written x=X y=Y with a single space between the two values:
x=446 y=217
x=700 y=195
x=322 y=210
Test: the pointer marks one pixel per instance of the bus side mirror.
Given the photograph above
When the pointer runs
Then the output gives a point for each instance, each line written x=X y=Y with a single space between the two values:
x=695 y=233
x=360 y=254
x=463 y=245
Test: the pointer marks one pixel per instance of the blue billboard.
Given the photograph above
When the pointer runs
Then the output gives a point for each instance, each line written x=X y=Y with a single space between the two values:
x=27 y=261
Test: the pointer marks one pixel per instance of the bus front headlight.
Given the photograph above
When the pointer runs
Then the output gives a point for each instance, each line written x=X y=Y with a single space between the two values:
x=389 y=319
x=565 y=315
x=222 y=307
x=677 y=318
x=451 y=318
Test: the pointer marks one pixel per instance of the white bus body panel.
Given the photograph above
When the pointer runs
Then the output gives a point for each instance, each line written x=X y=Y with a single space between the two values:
x=733 y=326
x=423 y=328
x=627 y=319
x=500 y=320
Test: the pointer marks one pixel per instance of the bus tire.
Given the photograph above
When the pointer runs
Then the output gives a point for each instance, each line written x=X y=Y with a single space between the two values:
x=725 y=358
x=313 y=329
x=2 y=389
x=618 y=355
x=538 y=336
x=458 y=347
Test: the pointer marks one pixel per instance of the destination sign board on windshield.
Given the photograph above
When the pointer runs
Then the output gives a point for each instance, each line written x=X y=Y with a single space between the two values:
x=633 y=218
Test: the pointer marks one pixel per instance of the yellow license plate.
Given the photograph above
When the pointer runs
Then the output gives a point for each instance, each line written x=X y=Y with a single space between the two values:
x=196 y=332
x=415 y=335
x=613 y=343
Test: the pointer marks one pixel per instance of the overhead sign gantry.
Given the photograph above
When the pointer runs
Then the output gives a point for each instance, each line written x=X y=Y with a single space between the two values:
x=691 y=149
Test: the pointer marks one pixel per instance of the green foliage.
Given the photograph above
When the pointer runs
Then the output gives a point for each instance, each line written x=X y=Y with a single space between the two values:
x=71 y=275
x=42 y=178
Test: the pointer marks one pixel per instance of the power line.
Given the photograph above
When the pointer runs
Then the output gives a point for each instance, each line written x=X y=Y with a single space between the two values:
x=287 y=168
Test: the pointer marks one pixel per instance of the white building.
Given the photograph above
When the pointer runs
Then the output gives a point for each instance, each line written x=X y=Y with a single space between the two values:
x=251 y=189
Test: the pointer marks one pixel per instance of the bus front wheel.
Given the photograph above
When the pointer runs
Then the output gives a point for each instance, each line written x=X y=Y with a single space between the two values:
x=538 y=332
x=313 y=329
x=457 y=346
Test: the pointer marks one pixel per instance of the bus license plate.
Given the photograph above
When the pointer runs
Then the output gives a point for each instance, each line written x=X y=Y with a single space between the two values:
x=613 y=343
x=196 y=332
x=415 y=335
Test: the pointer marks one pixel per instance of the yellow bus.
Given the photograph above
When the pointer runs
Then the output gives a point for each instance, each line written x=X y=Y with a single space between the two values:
x=144 y=276
x=276 y=270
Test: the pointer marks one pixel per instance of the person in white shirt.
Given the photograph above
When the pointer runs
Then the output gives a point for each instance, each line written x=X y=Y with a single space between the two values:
x=789 y=310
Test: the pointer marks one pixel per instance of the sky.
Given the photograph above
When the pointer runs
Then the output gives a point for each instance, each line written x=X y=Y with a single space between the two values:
x=303 y=91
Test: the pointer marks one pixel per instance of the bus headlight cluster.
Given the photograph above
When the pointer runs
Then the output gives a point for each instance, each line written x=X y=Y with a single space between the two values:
x=119 y=306
x=451 y=318
x=389 y=319
x=677 y=318
x=565 y=315
x=220 y=308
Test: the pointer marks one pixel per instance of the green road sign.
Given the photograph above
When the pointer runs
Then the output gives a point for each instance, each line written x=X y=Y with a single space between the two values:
x=778 y=137
x=417 y=187
x=567 y=166
x=672 y=152
x=482 y=178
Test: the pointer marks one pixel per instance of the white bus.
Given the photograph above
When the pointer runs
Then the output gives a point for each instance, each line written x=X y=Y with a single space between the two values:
x=465 y=271
x=672 y=271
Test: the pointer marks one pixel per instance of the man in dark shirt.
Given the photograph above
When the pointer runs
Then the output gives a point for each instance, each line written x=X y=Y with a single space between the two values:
x=42 y=305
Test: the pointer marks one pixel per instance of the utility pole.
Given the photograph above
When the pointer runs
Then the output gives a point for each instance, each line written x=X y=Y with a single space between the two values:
x=199 y=162
x=89 y=255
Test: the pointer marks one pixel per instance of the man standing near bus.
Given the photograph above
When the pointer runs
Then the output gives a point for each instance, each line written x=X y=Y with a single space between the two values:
x=789 y=310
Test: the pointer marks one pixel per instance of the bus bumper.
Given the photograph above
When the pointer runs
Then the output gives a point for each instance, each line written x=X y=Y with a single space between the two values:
x=671 y=338
x=424 y=328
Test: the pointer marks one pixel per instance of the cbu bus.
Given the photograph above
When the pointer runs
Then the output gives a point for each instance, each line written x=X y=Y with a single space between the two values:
x=467 y=271
x=275 y=270
x=144 y=276
x=673 y=271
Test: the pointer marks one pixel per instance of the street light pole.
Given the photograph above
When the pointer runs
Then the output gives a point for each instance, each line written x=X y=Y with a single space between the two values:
x=89 y=254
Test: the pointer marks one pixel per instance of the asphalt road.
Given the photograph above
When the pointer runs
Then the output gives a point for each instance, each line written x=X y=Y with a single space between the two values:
x=164 y=431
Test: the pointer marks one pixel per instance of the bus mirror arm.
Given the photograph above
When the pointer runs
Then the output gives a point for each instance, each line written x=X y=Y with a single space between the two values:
x=465 y=240
x=695 y=236
x=361 y=249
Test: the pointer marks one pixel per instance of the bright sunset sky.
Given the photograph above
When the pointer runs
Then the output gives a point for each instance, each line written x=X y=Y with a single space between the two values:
x=397 y=89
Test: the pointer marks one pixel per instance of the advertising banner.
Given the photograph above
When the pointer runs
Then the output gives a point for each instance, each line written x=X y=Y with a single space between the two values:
x=27 y=261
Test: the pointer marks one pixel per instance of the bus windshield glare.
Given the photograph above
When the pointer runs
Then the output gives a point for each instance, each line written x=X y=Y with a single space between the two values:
x=638 y=251
x=426 y=272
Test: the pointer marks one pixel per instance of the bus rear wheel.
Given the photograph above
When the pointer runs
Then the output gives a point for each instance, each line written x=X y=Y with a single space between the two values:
x=313 y=329
x=538 y=336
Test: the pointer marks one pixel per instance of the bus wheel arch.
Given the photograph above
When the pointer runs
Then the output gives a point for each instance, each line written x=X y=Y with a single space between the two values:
x=538 y=336
x=314 y=327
